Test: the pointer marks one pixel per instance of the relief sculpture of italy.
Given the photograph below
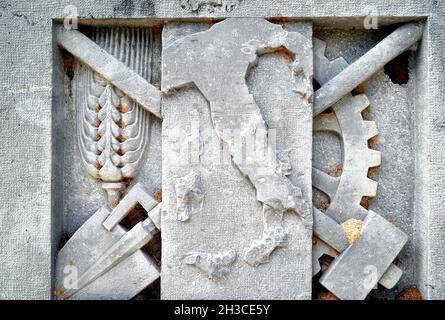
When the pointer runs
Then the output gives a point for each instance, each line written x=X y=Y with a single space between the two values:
x=223 y=150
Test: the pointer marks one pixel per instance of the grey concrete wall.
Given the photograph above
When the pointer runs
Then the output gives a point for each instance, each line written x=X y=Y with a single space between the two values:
x=30 y=210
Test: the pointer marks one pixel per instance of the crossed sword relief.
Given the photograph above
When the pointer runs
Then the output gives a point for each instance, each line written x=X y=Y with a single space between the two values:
x=232 y=108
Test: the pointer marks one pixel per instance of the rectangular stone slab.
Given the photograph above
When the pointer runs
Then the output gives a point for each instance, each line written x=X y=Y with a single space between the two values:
x=357 y=270
x=205 y=240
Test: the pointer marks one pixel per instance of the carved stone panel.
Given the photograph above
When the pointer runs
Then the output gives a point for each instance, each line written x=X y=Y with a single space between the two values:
x=237 y=116
x=285 y=150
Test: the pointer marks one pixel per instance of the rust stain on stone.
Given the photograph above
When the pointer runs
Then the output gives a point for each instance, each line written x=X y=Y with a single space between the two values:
x=410 y=293
x=157 y=194
x=335 y=170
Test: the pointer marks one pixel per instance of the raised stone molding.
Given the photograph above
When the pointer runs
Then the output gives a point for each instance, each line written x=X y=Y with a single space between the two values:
x=410 y=185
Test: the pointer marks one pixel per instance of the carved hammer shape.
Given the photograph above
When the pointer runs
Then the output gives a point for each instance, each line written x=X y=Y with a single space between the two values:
x=333 y=242
x=357 y=270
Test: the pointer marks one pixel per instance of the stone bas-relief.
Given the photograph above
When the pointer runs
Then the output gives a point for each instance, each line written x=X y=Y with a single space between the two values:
x=240 y=89
x=265 y=213
x=189 y=195
x=113 y=133
x=113 y=136
x=215 y=266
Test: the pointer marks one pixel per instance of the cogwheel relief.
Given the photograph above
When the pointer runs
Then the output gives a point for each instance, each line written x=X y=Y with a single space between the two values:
x=114 y=119
x=342 y=189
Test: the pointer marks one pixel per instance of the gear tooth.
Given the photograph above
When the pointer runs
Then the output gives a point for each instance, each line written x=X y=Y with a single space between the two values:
x=370 y=129
x=374 y=158
x=360 y=102
x=369 y=188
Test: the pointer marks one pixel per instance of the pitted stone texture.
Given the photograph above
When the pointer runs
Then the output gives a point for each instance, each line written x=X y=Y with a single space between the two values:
x=116 y=72
x=137 y=195
x=25 y=273
x=83 y=249
x=357 y=270
x=397 y=42
x=331 y=240
x=231 y=215
x=83 y=194
x=214 y=265
x=392 y=108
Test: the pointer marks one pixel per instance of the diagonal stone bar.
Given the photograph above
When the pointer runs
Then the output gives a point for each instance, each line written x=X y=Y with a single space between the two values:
x=357 y=270
x=127 y=80
x=397 y=42
x=225 y=234
x=333 y=241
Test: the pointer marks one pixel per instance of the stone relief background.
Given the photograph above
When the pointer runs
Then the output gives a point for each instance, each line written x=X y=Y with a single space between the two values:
x=417 y=166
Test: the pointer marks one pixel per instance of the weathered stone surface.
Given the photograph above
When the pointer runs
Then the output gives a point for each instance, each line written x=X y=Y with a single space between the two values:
x=396 y=43
x=137 y=194
x=81 y=253
x=230 y=218
x=357 y=270
x=34 y=170
x=215 y=266
x=348 y=190
x=139 y=50
x=136 y=87
x=392 y=108
x=331 y=240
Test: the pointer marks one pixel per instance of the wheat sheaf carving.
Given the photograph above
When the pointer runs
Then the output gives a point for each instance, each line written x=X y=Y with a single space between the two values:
x=113 y=132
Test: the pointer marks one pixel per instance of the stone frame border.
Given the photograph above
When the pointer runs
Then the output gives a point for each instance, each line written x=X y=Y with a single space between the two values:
x=33 y=84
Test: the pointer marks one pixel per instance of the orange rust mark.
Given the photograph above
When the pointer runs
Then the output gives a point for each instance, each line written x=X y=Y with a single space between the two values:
x=285 y=53
x=121 y=138
x=358 y=90
x=366 y=111
x=335 y=170
x=122 y=108
x=314 y=240
x=210 y=20
x=98 y=165
x=121 y=123
x=279 y=19
x=157 y=194
x=372 y=142
x=329 y=115
x=410 y=293
x=60 y=293
x=322 y=205
x=372 y=172
x=112 y=203
x=398 y=262
x=96 y=123
x=325 y=295
x=365 y=202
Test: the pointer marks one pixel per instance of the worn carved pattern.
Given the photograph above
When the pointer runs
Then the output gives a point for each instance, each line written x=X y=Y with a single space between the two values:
x=113 y=130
